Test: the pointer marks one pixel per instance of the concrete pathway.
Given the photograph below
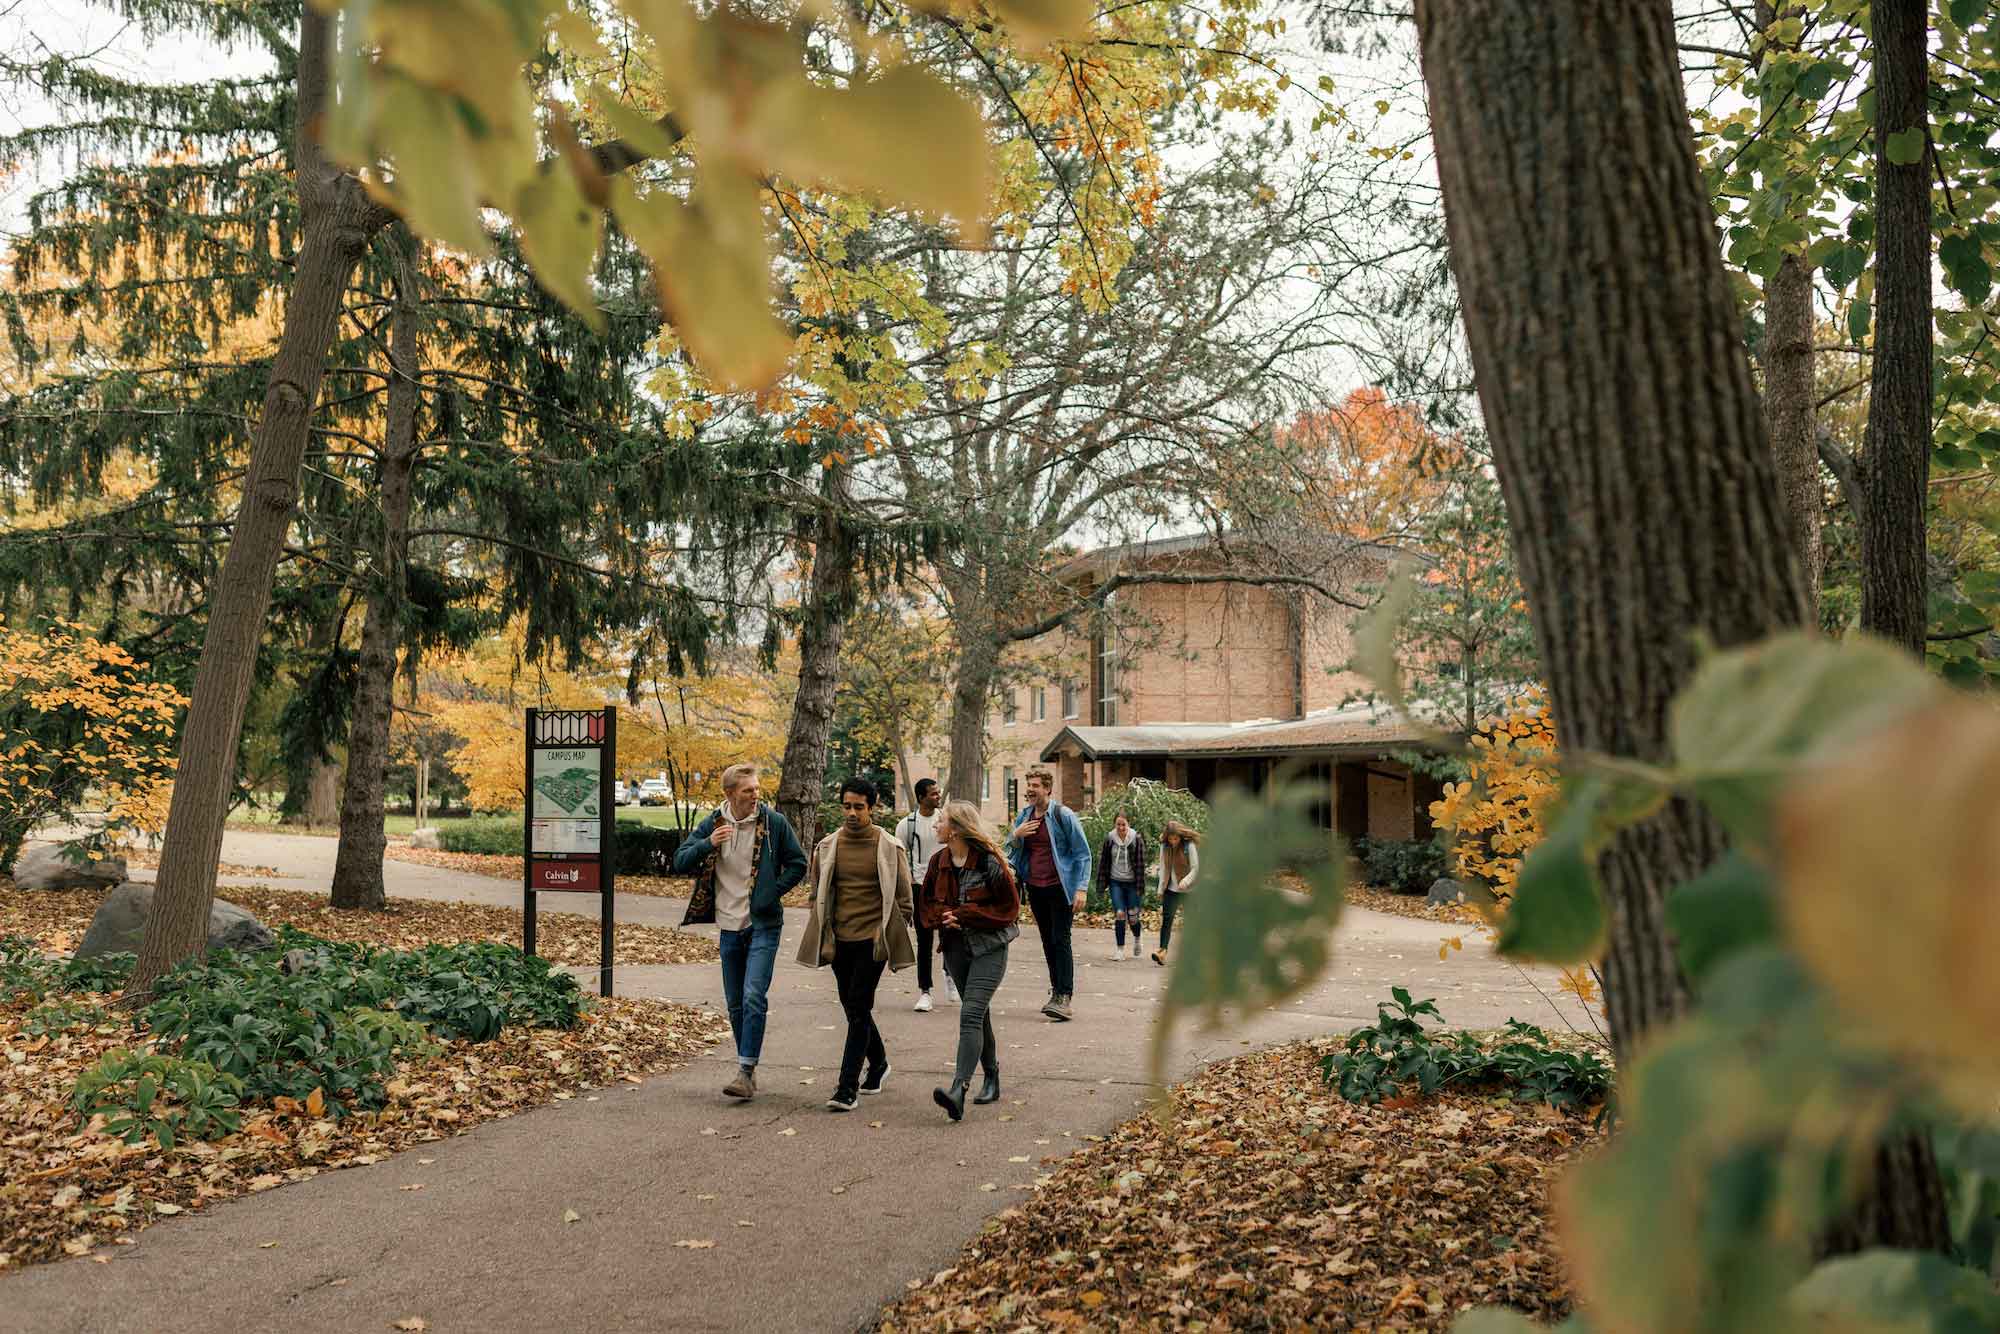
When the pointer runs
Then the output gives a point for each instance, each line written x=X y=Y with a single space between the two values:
x=817 y=1218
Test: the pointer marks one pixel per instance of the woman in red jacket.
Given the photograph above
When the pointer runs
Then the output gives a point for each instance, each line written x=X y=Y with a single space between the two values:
x=970 y=897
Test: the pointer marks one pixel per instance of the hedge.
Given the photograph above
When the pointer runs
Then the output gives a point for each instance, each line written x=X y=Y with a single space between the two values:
x=1404 y=866
x=642 y=849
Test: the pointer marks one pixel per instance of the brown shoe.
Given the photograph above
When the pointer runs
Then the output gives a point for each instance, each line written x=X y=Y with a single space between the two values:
x=744 y=1086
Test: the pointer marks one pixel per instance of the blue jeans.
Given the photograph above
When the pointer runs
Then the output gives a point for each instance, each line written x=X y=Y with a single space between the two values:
x=747 y=959
x=1125 y=897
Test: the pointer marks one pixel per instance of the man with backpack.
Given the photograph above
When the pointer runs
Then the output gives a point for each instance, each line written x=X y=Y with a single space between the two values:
x=917 y=832
x=1052 y=858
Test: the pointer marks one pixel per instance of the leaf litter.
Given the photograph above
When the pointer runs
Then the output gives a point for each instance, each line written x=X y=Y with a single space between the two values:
x=1258 y=1199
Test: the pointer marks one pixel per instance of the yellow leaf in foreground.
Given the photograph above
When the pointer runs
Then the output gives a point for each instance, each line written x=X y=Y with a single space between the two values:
x=1891 y=872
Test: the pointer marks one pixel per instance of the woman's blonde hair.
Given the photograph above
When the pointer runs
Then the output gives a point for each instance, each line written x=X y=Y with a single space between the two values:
x=1175 y=829
x=965 y=818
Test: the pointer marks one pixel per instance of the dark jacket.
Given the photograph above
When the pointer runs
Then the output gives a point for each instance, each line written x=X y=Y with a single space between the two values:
x=991 y=908
x=1138 y=851
x=783 y=865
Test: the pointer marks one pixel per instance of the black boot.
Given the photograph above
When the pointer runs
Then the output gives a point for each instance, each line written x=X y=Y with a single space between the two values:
x=952 y=1100
x=990 y=1090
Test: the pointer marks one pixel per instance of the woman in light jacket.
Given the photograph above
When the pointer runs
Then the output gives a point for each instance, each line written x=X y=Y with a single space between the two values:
x=970 y=897
x=1180 y=863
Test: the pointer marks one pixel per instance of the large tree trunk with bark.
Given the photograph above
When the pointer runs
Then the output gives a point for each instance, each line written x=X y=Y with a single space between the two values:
x=1897 y=453
x=1791 y=414
x=830 y=599
x=357 y=867
x=336 y=221
x=321 y=807
x=971 y=695
x=1640 y=486
x=1790 y=396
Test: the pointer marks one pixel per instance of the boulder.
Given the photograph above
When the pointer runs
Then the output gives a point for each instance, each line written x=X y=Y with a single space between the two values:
x=43 y=866
x=1445 y=890
x=120 y=924
x=426 y=837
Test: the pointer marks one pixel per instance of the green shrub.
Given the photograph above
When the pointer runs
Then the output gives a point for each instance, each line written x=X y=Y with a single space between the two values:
x=644 y=849
x=1148 y=805
x=26 y=971
x=106 y=972
x=342 y=1020
x=60 y=1016
x=1406 y=866
x=167 y=1097
x=491 y=836
x=1397 y=1050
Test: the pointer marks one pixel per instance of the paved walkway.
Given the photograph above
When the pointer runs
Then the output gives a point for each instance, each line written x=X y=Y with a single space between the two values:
x=816 y=1219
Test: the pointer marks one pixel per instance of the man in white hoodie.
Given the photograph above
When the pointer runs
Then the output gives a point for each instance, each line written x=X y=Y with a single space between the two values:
x=918 y=834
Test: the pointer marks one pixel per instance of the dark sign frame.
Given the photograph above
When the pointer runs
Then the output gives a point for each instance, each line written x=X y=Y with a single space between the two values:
x=573 y=729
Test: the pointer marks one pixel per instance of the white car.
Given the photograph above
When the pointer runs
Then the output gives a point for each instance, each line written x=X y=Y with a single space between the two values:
x=653 y=792
x=620 y=794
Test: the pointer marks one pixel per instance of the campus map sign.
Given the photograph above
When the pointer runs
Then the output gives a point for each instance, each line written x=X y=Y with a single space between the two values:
x=570 y=815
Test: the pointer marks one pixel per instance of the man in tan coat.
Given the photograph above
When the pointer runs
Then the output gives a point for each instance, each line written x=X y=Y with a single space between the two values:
x=860 y=924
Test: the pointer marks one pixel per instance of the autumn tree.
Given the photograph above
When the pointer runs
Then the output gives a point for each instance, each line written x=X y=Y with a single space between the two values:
x=895 y=676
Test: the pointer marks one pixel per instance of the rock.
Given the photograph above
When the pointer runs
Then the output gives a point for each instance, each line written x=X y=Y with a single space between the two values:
x=426 y=837
x=297 y=961
x=1446 y=890
x=120 y=925
x=43 y=866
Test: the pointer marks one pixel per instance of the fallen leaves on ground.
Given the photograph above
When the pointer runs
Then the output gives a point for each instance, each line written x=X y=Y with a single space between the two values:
x=66 y=1189
x=57 y=920
x=1411 y=905
x=508 y=867
x=1260 y=1200
x=149 y=859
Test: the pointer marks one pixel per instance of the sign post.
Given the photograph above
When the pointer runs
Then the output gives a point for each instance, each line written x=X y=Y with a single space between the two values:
x=569 y=818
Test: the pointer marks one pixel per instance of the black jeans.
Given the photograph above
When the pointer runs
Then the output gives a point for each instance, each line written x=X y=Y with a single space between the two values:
x=856 y=970
x=925 y=936
x=1170 y=903
x=1052 y=918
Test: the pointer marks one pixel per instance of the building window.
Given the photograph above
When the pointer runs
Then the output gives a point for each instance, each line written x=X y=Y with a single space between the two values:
x=986 y=785
x=1010 y=707
x=1038 y=704
x=1072 y=696
x=1107 y=684
x=1012 y=789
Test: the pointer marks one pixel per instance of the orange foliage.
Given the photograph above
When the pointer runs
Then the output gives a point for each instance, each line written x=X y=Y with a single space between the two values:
x=1495 y=818
x=1372 y=467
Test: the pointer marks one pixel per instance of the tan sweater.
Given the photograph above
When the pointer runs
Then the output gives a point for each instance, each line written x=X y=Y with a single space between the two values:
x=857 y=890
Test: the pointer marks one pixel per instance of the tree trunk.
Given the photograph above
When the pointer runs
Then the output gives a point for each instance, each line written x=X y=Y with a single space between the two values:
x=321 y=809
x=830 y=599
x=357 y=866
x=336 y=220
x=1640 y=484
x=1897 y=452
x=971 y=697
x=1791 y=415
x=312 y=783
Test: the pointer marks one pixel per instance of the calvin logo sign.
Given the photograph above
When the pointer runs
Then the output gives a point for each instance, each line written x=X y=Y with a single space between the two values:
x=563 y=875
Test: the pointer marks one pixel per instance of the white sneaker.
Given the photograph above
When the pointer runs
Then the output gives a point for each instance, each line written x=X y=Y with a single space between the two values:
x=951 y=991
x=1135 y=947
x=1118 y=954
x=923 y=1002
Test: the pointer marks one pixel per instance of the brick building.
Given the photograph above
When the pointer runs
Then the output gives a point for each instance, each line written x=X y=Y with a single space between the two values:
x=1206 y=684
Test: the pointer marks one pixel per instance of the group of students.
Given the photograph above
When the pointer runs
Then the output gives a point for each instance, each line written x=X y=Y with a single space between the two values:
x=871 y=912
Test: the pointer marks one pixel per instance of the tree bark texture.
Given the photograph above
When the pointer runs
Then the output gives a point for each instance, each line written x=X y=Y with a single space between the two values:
x=830 y=599
x=322 y=803
x=357 y=866
x=336 y=221
x=1896 y=454
x=1640 y=486
x=1791 y=415
x=971 y=696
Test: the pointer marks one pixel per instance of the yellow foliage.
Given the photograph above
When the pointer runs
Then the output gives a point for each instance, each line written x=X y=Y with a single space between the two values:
x=78 y=724
x=1495 y=818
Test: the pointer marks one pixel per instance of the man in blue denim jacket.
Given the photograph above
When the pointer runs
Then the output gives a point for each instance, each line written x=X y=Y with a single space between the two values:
x=1051 y=859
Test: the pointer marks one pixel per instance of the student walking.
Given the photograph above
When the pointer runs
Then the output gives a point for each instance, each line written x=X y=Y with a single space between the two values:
x=1121 y=870
x=970 y=898
x=1052 y=858
x=918 y=833
x=745 y=858
x=860 y=923
x=1180 y=863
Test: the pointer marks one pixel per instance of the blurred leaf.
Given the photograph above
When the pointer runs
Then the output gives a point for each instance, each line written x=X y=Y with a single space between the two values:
x=435 y=186
x=559 y=236
x=1038 y=22
x=904 y=138
x=1908 y=1292
x=1375 y=637
x=1724 y=910
x=1751 y=714
x=712 y=261
x=1891 y=890
x=1246 y=942
x=1557 y=914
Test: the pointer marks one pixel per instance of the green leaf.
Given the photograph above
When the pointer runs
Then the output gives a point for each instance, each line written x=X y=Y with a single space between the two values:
x=1906 y=147
x=1966 y=12
x=559 y=236
x=1857 y=320
x=1751 y=715
x=1914 y=1291
x=1728 y=908
x=1964 y=259
x=1843 y=264
x=436 y=185
x=1557 y=914
x=1816 y=79
x=1249 y=943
